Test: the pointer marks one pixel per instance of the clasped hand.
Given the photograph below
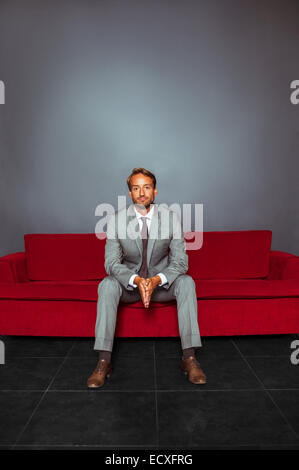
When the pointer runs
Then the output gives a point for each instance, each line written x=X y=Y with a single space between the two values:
x=146 y=287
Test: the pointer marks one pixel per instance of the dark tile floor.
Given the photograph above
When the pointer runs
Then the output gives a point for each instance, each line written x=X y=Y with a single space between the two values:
x=250 y=400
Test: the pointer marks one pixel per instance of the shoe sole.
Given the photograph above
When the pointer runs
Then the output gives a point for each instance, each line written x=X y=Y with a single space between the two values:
x=196 y=383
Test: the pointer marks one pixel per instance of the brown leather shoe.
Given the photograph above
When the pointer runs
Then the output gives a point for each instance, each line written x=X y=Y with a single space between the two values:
x=191 y=367
x=97 y=379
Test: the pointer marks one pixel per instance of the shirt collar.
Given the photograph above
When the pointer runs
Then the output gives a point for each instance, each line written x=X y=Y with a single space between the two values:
x=149 y=215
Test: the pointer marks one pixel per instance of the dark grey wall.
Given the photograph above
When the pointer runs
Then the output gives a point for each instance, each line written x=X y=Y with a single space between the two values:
x=196 y=91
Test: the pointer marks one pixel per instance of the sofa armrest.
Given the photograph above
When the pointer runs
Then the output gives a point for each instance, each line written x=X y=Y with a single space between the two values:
x=278 y=263
x=13 y=268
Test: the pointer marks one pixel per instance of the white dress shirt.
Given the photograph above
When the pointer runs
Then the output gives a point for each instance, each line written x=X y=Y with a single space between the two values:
x=148 y=217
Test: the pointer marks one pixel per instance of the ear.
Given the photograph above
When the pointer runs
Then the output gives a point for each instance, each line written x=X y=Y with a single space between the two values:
x=155 y=191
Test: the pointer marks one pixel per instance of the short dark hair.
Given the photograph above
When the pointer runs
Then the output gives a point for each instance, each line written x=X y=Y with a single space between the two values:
x=145 y=172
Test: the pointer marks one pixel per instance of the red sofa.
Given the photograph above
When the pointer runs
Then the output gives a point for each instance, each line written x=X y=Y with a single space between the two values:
x=242 y=287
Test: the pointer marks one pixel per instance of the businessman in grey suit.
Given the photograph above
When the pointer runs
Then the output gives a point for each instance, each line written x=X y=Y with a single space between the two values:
x=147 y=264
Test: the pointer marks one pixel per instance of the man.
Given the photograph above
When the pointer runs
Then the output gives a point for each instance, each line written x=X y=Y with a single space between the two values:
x=142 y=269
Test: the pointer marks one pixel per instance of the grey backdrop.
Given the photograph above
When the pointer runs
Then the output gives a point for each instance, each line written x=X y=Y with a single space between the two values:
x=196 y=91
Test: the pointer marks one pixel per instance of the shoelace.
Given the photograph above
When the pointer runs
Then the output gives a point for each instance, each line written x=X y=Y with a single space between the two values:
x=194 y=363
x=100 y=366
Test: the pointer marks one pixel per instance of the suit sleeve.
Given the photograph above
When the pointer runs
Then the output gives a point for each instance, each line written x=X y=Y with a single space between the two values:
x=113 y=256
x=178 y=258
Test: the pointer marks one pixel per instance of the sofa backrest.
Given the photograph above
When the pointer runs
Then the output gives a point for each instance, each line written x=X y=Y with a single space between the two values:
x=65 y=257
x=223 y=255
x=231 y=255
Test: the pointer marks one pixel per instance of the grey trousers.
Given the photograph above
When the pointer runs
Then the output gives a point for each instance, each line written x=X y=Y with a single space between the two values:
x=111 y=292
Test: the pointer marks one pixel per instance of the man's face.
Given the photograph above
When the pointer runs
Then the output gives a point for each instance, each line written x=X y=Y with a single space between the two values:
x=142 y=190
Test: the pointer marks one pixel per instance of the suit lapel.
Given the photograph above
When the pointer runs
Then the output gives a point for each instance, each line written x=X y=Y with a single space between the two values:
x=132 y=223
x=154 y=230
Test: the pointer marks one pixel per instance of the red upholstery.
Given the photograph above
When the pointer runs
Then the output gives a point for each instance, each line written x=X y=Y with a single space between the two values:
x=277 y=264
x=63 y=257
x=215 y=318
x=231 y=255
x=205 y=289
x=242 y=288
x=6 y=273
x=291 y=269
x=13 y=268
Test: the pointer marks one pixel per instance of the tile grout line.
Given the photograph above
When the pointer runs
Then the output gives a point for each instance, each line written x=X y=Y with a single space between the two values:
x=267 y=391
x=42 y=397
x=156 y=394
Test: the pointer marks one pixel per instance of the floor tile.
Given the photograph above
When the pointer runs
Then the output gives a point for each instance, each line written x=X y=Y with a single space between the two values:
x=217 y=418
x=168 y=347
x=227 y=372
x=119 y=418
x=133 y=347
x=208 y=447
x=217 y=346
x=121 y=347
x=232 y=411
x=288 y=402
x=281 y=447
x=264 y=345
x=26 y=373
x=210 y=346
x=83 y=347
x=16 y=408
x=36 y=346
x=128 y=373
x=71 y=447
x=275 y=372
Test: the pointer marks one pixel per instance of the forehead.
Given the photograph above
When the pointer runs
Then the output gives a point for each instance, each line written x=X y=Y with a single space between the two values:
x=141 y=180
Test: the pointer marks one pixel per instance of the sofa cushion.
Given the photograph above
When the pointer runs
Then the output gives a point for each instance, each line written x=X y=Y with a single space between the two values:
x=246 y=289
x=50 y=290
x=231 y=255
x=53 y=290
x=64 y=257
x=209 y=289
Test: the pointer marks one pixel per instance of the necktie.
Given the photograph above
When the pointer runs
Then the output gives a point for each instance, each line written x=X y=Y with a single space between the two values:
x=144 y=235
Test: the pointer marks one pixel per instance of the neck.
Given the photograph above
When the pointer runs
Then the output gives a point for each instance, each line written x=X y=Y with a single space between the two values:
x=143 y=210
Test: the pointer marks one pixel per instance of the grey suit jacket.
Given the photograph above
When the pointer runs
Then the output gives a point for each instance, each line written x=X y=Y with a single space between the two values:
x=123 y=249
